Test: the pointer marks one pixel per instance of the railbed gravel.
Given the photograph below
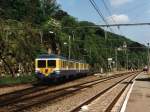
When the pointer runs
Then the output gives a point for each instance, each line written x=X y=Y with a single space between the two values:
x=101 y=103
x=40 y=109
x=5 y=90
x=74 y=82
x=69 y=102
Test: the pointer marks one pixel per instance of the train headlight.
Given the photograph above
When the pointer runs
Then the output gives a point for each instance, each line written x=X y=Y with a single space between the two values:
x=37 y=70
x=57 y=71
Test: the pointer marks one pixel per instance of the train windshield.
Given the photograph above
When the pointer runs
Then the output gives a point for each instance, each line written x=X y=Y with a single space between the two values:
x=52 y=63
x=41 y=63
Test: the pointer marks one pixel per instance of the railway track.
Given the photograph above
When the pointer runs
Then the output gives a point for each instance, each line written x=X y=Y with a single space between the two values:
x=17 y=84
x=20 y=100
x=108 y=101
x=33 y=89
x=10 y=85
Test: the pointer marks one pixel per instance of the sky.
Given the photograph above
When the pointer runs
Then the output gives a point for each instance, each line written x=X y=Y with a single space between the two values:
x=122 y=11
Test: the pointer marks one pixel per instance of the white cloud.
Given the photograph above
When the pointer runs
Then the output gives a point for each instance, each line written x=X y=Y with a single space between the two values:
x=68 y=3
x=118 y=19
x=119 y=2
x=148 y=11
x=58 y=1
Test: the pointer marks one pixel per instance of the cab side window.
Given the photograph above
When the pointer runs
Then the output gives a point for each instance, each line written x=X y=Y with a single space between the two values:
x=52 y=63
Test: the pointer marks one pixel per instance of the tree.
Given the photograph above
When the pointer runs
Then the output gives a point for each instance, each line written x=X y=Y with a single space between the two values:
x=34 y=11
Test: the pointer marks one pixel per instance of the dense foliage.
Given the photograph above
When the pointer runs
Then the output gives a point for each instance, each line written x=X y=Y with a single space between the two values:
x=29 y=27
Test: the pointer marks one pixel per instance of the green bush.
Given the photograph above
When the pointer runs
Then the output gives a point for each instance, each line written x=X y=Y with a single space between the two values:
x=17 y=80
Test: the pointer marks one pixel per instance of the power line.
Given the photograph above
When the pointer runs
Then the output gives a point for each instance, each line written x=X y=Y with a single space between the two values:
x=129 y=24
x=127 y=48
x=91 y=26
x=110 y=13
x=103 y=17
x=111 y=25
x=99 y=12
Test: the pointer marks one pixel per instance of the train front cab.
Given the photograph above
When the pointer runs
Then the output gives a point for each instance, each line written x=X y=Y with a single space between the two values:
x=45 y=68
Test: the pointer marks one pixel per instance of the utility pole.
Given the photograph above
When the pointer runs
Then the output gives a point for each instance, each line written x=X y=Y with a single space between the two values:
x=106 y=49
x=90 y=53
x=116 y=58
x=105 y=34
x=127 y=58
x=73 y=35
x=69 y=47
x=41 y=35
x=125 y=47
x=148 y=58
x=138 y=64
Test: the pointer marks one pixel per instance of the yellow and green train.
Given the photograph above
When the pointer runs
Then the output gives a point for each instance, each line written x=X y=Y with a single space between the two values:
x=55 y=67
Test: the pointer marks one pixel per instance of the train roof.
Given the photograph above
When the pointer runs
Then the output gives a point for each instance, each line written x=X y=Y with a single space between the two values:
x=50 y=56
x=54 y=56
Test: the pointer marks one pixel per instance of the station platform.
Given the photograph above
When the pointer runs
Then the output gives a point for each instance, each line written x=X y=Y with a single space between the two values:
x=139 y=98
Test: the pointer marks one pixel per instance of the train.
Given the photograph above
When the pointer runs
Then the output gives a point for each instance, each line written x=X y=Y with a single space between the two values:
x=146 y=69
x=53 y=67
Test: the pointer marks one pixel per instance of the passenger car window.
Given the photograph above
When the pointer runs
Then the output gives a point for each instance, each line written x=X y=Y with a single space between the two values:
x=41 y=63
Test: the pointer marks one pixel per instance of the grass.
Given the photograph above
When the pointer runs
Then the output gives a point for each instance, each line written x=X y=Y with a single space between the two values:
x=17 y=80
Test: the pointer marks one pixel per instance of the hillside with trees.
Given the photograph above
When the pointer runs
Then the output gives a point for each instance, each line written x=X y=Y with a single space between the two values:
x=29 y=27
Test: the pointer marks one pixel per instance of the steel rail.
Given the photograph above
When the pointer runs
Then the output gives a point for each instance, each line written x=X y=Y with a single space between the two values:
x=76 y=109
x=59 y=93
x=16 y=99
x=13 y=96
x=109 y=108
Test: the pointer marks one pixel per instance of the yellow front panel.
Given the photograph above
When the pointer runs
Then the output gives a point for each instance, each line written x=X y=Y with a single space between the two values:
x=48 y=71
x=42 y=70
x=58 y=64
x=35 y=63
x=45 y=71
